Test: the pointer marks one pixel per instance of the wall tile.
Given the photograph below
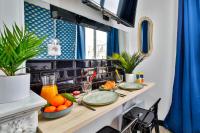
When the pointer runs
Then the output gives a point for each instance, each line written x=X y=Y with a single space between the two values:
x=38 y=20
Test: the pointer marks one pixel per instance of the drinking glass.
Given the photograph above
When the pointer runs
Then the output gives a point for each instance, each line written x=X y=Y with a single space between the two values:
x=119 y=78
x=86 y=87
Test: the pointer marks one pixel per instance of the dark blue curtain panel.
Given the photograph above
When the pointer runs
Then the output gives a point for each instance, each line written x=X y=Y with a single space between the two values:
x=184 y=114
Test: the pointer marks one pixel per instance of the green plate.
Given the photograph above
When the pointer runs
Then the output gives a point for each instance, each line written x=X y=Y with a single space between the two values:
x=130 y=86
x=100 y=98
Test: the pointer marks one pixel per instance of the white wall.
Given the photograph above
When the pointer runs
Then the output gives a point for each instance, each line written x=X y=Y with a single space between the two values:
x=159 y=67
x=11 y=11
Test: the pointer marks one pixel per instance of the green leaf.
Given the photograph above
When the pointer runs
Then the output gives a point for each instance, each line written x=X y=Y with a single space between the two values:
x=47 y=105
x=128 y=62
x=16 y=46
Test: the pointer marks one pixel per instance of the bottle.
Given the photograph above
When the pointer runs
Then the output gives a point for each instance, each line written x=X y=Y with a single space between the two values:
x=140 y=77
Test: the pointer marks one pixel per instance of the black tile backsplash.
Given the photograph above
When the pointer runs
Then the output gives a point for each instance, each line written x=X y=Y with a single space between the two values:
x=94 y=63
x=111 y=69
x=83 y=64
x=103 y=63
x=64 y=64
x=40 y=66
x=70 y=73
x=109 y=63
x=78 y=72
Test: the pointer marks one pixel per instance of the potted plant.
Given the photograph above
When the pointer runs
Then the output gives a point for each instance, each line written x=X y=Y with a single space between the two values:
x=16 y=46
x=128 y=63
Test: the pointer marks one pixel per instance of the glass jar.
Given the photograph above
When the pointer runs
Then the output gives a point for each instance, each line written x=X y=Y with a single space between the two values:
x=49 y=88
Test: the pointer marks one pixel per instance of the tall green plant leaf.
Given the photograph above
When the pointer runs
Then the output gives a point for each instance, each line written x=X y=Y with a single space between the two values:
x=16 y=46
x=128 y=62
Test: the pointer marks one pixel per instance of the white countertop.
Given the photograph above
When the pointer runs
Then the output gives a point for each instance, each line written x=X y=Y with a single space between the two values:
x=34 y=101
x=81 y=116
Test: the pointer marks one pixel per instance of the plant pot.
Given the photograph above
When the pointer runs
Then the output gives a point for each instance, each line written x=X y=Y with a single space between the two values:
x=130 y=77
x=14 y=88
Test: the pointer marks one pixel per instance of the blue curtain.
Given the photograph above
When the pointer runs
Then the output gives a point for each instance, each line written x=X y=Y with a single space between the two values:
x=112 y=42
x=184 y=114
x=80 y=42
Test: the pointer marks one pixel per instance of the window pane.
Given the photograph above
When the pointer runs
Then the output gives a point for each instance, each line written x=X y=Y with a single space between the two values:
x=101 y=44
x=89 y=43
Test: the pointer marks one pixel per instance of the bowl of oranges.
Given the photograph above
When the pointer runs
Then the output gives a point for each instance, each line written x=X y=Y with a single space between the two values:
x=60 y=105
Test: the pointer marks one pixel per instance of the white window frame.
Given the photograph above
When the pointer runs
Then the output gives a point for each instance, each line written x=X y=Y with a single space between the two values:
x=95 y=44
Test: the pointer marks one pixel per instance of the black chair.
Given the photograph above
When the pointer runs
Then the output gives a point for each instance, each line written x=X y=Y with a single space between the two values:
x=128 y=128
x=138 y=119
x=147 y=120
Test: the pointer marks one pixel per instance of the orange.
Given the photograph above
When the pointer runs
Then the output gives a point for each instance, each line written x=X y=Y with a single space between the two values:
x=50 y=109
x=65 y=100
x=57 y=100
x=61 y=107
x=68 y=103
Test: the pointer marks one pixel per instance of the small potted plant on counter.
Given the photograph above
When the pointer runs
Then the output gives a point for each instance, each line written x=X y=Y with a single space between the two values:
x=128 y=63
x=16 y=46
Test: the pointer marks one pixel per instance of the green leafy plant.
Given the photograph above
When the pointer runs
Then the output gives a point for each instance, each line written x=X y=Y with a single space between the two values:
x=128 y=62
x=16 y=46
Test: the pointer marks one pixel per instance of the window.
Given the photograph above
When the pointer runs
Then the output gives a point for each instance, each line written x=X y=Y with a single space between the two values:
x=96 y=44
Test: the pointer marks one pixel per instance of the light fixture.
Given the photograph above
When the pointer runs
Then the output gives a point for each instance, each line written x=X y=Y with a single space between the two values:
x=54 y=48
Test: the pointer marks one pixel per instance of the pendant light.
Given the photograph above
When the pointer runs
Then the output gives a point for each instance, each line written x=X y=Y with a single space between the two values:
x=54 y=48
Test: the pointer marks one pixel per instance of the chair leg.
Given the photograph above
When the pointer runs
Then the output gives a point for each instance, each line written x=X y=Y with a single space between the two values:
x=147 y=130
x=157 y=130
x=134 y=131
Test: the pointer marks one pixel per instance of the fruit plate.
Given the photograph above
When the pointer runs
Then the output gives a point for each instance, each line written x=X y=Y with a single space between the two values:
x=54 y=115
x=100 y=98
x=130 y=86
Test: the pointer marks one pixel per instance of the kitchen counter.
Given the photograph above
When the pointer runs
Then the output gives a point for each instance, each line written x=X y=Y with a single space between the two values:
x=81 y=116
x=24 y=105
x=22 y=115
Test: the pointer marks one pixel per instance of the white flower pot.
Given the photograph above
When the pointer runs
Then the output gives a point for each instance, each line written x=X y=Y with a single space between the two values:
x=14 y=88
x=130 y=77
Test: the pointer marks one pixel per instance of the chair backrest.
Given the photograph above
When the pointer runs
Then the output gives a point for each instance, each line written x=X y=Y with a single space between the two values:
x=154 y=107
x=128 y=128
